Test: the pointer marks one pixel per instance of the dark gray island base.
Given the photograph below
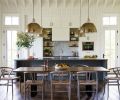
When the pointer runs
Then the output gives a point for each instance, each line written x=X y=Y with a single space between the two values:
x=72 y=62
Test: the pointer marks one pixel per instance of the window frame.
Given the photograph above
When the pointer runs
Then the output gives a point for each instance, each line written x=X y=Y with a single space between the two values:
x=11 y=15
x=111 y=15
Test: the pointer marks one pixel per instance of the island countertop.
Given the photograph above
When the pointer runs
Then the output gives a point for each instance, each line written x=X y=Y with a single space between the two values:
x=72 y=62
x=63 y=58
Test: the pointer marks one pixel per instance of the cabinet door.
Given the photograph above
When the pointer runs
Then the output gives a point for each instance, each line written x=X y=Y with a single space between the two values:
x=60 y=34
x=38 y=48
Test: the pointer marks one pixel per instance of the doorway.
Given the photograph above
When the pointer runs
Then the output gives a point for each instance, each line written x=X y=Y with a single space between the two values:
x=11 y=36
x=111 y=48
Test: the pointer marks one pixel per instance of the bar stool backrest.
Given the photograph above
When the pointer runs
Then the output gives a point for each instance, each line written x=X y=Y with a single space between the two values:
x=115 y=71
x=60 y=75
x=6 y=71
x=87 y=75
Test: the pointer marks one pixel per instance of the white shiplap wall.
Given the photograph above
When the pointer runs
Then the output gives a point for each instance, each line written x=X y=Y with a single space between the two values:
x=0 y=38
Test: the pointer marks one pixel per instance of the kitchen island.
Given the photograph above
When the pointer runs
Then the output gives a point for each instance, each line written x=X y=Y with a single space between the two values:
x=71 y=61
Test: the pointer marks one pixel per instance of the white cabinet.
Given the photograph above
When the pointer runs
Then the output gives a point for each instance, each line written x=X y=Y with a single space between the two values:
x=60 y=34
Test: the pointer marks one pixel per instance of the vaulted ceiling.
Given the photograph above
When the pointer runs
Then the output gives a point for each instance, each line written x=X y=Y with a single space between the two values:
x=59 y=3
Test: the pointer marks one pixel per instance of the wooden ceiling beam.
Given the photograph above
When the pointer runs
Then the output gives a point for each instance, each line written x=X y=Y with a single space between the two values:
x=6 y=2
x=105 y=3
x=15 y=3
x=23 y=3
x=113 y=4
x=97 y=2
x=31 y=1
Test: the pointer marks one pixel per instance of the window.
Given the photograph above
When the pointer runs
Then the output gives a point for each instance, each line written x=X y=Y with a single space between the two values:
x=11 y=20
x=110 y=20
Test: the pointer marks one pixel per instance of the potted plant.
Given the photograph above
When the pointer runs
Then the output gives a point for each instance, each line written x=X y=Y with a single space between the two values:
x=47 y=52
x=25 y=40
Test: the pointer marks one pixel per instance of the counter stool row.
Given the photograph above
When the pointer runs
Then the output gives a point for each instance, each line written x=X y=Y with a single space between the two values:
x=64 y=78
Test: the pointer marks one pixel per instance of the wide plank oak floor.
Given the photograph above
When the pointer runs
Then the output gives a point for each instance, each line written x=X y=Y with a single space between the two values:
x=113 y=93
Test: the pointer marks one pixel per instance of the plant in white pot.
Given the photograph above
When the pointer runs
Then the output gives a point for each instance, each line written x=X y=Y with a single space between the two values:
x=25 y=40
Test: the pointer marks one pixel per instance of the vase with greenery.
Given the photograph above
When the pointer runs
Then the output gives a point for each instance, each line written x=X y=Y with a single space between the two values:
x=25 y=40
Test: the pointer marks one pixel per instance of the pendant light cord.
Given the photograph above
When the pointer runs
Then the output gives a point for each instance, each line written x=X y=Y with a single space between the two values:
x=88 y=11
x=80 y=13
x=41 y=12
x=80 y=21
x=33 y=12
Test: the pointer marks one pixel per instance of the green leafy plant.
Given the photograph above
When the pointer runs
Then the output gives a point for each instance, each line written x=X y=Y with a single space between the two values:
x=24 y=40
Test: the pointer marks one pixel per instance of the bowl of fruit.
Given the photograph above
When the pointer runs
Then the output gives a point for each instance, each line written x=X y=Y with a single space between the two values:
x=61 y=66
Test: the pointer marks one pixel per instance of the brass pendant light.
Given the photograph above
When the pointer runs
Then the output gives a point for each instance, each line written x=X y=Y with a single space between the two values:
x=34 y=27
x=88 y=27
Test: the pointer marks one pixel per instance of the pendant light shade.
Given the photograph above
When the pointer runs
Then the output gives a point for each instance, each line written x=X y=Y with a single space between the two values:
x=88 y=27
x=34 y=27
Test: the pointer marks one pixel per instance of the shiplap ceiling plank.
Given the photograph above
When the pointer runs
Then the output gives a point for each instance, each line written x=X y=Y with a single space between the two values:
x=31 y=2
x=84 y=2
x=93 y=2
x=99 y=2
x=6 y=3
x=105 y=3
x=116 y=3
x=113 y=4
x=60 y=3
x=67 y=3
x=15 y=3
x=109 y=3
x=23 y=2
x=45 y=3
x=76 y=3
x=53 y=3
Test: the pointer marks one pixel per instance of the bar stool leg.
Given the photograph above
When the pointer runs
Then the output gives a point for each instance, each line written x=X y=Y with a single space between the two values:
x=69 y=92
x=20 y=84
x=7 y=86
x=12 y=89
x=51 y=92
x=97 y=92
x=108 y=90
x=118 y=87
x=78 y=91
x=24 y=87
x=42 y=91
